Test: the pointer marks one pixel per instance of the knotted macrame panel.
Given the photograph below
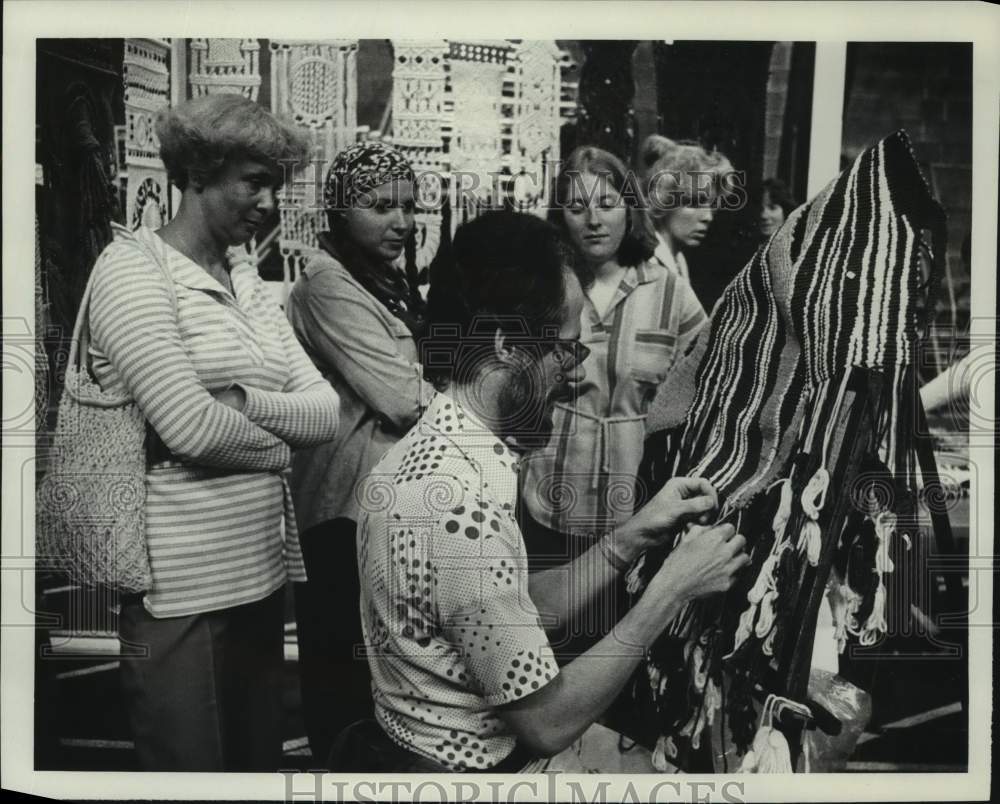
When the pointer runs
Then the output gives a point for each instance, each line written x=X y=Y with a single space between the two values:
x=765 y=406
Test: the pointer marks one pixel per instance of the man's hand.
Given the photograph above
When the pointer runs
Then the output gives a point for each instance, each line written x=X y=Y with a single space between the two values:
x=705 y=562
x=680 y=501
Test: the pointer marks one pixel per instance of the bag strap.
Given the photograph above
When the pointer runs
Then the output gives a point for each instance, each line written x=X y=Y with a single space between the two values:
x=80 y=342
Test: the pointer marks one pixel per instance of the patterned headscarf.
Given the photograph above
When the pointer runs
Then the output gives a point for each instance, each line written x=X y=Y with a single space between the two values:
x=361 y=168
x=355 y=171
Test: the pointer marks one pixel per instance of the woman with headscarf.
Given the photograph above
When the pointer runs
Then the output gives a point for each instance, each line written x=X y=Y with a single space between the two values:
x=181 y=321
x=359 y=320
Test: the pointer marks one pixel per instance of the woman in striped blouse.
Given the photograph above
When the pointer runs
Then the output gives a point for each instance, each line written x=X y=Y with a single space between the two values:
x=638 y=317
x=228 y=393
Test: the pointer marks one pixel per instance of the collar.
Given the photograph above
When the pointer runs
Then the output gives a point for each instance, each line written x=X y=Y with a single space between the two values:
x=188 y=274
x=663 y=254
x=641 y=274
x=665 y=257
x=489 y=457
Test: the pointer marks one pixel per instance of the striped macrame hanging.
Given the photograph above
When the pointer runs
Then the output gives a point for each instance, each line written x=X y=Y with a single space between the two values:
x=753 y=407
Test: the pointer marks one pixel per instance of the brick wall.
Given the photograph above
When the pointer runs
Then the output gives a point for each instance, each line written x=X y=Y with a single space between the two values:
x=925 y=88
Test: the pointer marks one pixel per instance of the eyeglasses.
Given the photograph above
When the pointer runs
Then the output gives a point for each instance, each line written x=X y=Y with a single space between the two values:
x=569 y=353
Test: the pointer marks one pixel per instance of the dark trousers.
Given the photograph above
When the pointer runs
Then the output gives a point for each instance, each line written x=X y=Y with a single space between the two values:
x=333 y=670
x=207 y=697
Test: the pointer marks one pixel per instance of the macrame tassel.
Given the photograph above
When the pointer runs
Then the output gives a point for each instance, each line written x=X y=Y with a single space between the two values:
x=784 y=511
x=844 y=605
x=811 y=540
x=875 y=625
x=694 y=728
x=763 y=586
x=750 y=760
x=885 y=527
x=659 y=755
x=813 y=497
x=665 y=749
x=699 y=669
x=767 y=646
x=765 y=581
x=766 y=620
x=713 y=701
x=776 y=758
x=770 y=753
x=814 y=494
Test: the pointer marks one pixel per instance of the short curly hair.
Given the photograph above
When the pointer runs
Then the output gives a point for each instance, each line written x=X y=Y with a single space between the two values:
x=199 y=136
x=639 y=242
x=669 y=167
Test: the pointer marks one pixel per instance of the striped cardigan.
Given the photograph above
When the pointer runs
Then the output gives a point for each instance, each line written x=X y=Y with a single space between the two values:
x=214 y=509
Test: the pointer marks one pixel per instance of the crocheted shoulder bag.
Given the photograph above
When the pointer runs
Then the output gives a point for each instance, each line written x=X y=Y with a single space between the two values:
x=91 y=504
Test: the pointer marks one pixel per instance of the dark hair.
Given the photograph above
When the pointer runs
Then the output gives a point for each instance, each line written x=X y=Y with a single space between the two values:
x=503 y=271
x=639 y=241
x=779 y=194
x=198 y=137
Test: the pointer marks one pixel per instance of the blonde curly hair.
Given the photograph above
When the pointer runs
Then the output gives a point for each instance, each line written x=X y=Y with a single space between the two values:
x=199 y=136
x=672 y=172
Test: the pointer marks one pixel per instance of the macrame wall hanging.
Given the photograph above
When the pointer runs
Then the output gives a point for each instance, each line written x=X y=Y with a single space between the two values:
x=225 y=65
x=147 y=90
x=314 y=84
x=480 y=122
x=490 y=109
x=797 y=403
x=418 y=126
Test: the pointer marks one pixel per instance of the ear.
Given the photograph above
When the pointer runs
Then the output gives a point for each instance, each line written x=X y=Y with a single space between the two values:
x=503 y=352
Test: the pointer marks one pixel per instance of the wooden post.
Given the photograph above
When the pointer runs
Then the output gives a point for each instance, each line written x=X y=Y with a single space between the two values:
x=827 y=114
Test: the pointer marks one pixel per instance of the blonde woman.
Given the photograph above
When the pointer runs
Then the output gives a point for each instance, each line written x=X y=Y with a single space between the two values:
x=227 y=392
x=638 y=316
x=682 y=180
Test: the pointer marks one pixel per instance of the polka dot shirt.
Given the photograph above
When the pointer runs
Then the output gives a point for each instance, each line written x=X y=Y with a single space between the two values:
x=451 y=631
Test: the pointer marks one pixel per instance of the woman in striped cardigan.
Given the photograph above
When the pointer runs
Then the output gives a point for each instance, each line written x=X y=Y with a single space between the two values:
x=228 y=393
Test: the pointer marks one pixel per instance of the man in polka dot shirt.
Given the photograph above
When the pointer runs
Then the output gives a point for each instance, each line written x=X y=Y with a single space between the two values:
x=463 y=673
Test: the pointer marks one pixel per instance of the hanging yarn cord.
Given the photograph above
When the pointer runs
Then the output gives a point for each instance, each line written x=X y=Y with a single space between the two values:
x=770 y=752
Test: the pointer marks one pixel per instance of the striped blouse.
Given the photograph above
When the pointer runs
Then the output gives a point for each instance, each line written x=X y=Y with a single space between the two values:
x=215 y=508
x=583 y=481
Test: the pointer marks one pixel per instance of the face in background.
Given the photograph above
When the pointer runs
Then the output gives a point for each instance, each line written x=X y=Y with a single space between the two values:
x=595 y=216
x=544 y=380
x=687 y=226
x=236 y=202
x=771 y=216
x=381 y=220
